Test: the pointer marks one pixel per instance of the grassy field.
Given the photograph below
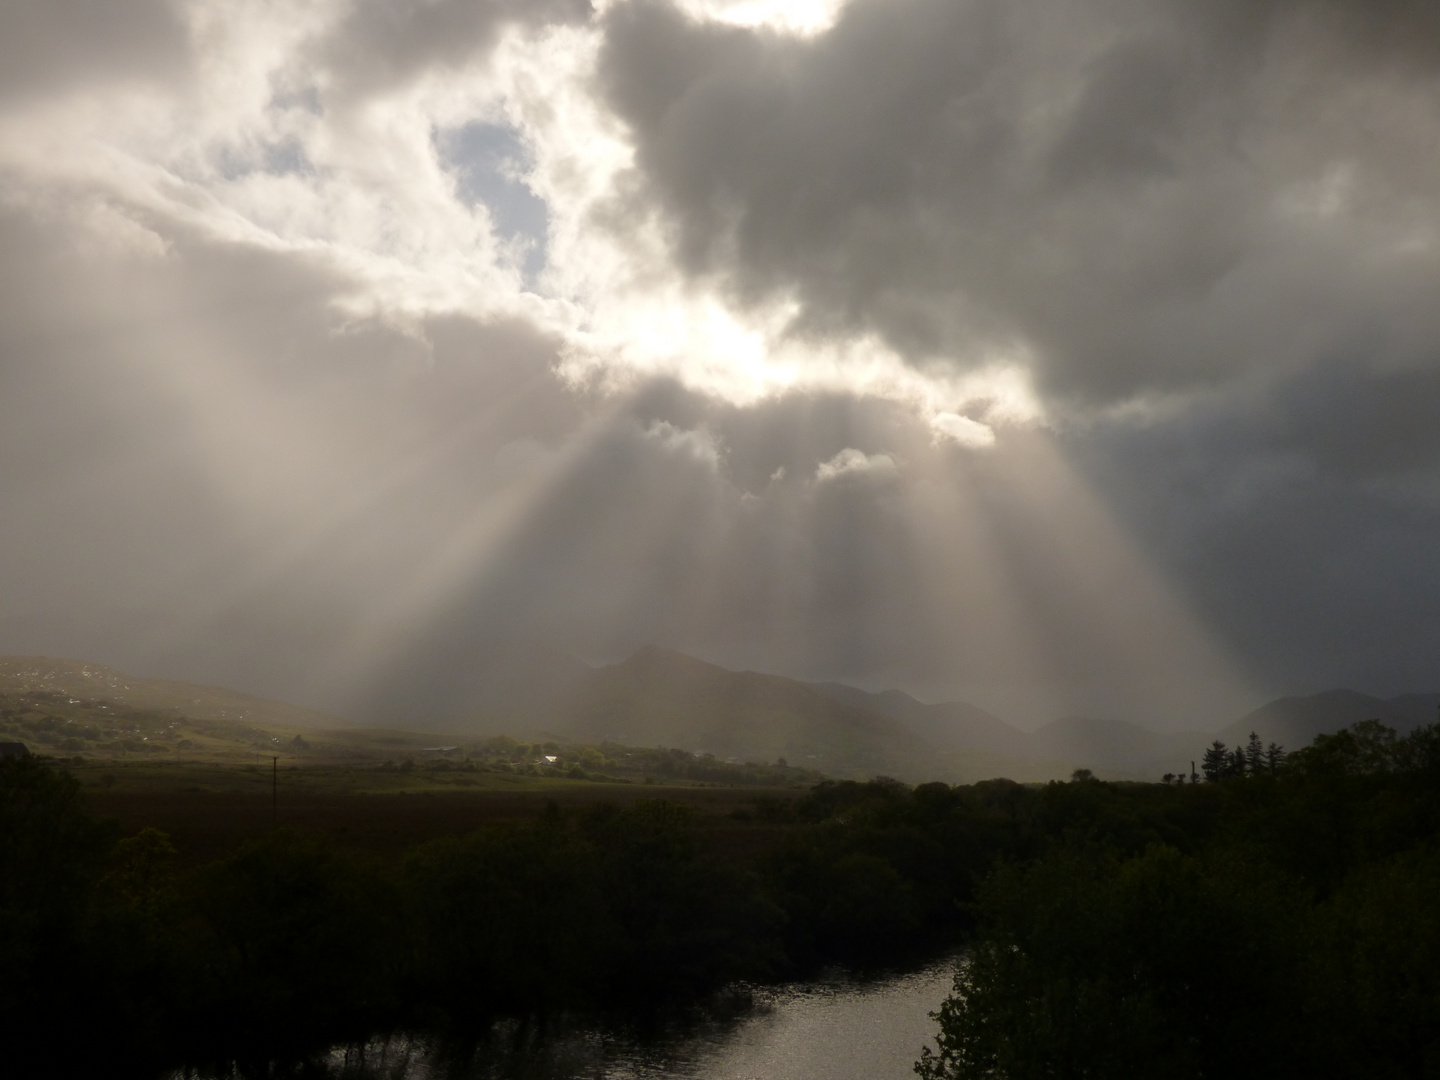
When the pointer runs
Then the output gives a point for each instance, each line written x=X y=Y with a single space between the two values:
x=104 y=730
x=210 y=808
x=214 y=769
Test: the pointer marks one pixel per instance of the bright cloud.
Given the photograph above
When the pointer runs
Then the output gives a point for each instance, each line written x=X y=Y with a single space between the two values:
x=802 y=17
x=852 y=462
x=276 y=138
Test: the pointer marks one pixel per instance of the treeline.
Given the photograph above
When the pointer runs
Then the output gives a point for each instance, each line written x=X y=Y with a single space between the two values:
x=1289 y=928
x=1252 y=759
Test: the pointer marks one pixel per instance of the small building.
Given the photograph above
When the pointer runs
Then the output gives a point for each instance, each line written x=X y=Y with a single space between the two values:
x=14 y=749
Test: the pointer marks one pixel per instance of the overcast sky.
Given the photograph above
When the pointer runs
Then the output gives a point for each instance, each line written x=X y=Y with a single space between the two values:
x=1063 y=357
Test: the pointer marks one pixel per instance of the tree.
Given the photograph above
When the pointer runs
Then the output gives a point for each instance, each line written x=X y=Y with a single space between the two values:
x=1087 y=964
x=1216 y=762
x=1274 y=758
x=51 y=852
x=1254 y=755
x=1236 y=765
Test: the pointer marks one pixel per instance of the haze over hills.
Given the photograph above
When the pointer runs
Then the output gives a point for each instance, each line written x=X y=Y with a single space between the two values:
x=92 y=682
x=951 y=725
x=1294 y=722
x=1118 y=747
x=658 y=697
x=662 y=697
x=1115 y=747
x=493 y=685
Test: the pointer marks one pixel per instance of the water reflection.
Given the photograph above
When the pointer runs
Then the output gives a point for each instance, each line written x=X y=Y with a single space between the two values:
x=836 y=1028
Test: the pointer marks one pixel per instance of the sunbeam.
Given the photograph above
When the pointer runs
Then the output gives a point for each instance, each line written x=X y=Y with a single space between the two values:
x=771 y=332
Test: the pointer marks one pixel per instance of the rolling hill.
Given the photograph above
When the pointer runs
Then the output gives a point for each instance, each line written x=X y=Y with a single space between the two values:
x=22 y=675
x=662 y=698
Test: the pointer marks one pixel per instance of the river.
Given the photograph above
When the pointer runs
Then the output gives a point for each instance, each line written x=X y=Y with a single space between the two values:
x=834 y=1028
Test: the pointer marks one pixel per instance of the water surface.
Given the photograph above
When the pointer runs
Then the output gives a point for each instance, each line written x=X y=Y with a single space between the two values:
x=834 y=1028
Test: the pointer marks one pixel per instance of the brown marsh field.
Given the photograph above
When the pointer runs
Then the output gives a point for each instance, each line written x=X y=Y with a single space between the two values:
x=214 y=770
x=209 y=808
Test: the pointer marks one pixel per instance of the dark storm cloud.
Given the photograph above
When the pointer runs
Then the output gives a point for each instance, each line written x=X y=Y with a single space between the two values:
x=1361 y=423
x=383 y=43
x=1238 y=204
x=73 y=44
x=1311 y=552
x=1138 y=191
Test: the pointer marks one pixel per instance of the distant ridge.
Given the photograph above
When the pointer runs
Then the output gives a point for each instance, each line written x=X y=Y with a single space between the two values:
x=661 y=697
x=1294 y=722
x=29 y=674
x=951 y=725
x=1118 y=746
x=1123 y=749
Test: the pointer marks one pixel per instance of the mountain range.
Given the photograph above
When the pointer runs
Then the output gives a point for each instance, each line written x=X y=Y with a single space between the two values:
x=1295 y=721
x=661 y=697
x=658 y=697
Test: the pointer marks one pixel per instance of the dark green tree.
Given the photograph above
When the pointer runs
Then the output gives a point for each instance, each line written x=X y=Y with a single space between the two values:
x=292 y=945
x=51 y=854
x=1089 y=965
x=1237 y=764
x=1216 y=763
x=1254 y=755
x=1274 y=758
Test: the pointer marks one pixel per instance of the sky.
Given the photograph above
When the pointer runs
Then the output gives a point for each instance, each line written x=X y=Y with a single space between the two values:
x=1075 y=358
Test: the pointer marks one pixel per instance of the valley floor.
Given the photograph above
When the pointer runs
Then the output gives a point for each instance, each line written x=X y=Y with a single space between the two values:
x=209 y=809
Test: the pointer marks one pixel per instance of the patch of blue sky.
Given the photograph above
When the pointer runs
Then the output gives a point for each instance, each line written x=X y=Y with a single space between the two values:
x=489 y=162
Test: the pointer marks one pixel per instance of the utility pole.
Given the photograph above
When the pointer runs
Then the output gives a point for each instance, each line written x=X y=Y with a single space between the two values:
x=274 y=792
